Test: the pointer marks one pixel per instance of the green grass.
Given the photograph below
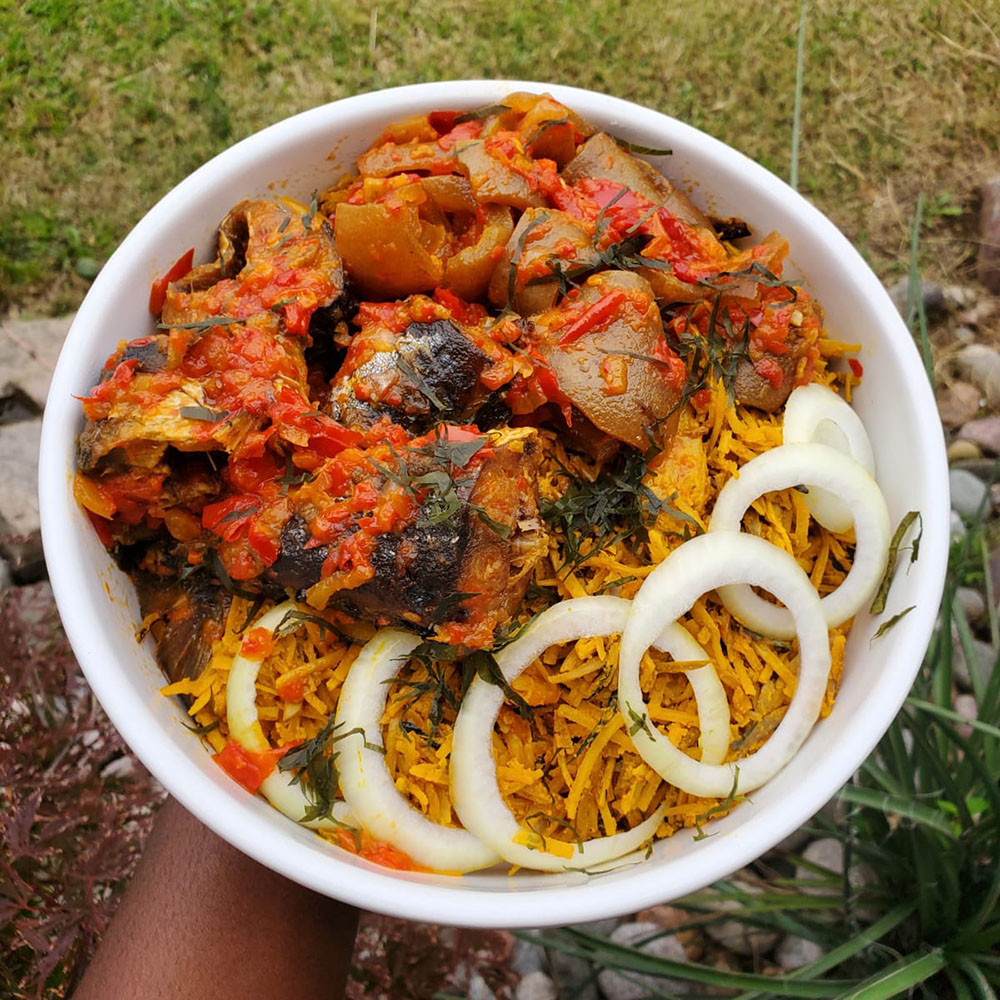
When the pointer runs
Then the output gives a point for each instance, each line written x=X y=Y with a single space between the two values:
x=106 y=105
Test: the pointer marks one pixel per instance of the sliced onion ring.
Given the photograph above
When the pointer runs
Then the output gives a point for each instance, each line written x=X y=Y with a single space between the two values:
x=787 y=466
x=701 y=563
x=364 y=779
x=816 y=413
x=244 y=727
x=475 y=790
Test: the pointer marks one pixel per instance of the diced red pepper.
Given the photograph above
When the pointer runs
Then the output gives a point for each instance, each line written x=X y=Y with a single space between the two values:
x=770 y=369
x=856 y=367
x=257 y=644
x=158 y=291
x=227 y=518
x=291 y=690
x=594 y=316
x=247 y=768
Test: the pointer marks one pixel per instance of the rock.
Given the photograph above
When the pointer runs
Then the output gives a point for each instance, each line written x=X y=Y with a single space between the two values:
x=632 y=985
x=969 y=494
x=972 y=603
x=120 y=767
x=19 y=482
x=23 y=556
x=959 y=296
x=961 y=450
x=957 y=526
x=994 y=494
x=828 y=852
x=965 y=705
x=985 y=432
x=932 y=294
x=28 y=353
x=478 y=988
x=527 y=957
x=983 y=468
x=574 y=976
x=988 y=264
x=958 y=403
x=985 y=661
x=6 y=577
x=796 y=951
x=536 y=986
x=667 y=918
x=964 y=334
x=981 y=364
x=599 y=928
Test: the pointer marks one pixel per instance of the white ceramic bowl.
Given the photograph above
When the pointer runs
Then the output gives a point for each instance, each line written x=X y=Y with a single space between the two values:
x=99 y=609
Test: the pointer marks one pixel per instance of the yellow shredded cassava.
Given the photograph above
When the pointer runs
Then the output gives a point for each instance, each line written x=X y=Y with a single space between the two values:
x=571 y=772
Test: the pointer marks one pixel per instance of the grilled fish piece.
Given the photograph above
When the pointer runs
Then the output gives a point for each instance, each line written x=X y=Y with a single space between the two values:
x=469 y=572
x=430 y=372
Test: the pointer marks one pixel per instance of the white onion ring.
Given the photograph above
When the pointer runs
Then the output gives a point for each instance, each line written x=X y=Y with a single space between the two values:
x=787 y=466
x=364 y=779
x=814 y=413
x=475 y=789
x=244 y=727
x=695 y=567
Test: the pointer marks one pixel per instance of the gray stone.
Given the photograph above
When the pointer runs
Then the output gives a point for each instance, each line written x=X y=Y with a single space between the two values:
x=988 y=264
x=666 y=917
x=6 y=578
x=965 y=705
x=23 y=556
x=632 y=985
x=972 y=603
x=969 y=494
x=963 y=451
x=536 y=986
x=932 y=294
x=574 y=976
x=599 y=928
x=28 y=353
x=981 y=364
x=478 y=988
x=527 y=957
x=957 y=526
x=796 y=951
x=738 y=937
x=964 y=334
x=985 y=432
x=985 y=660
x=960 y=296
x=19 y=482
x=958 y=403
x=828 y=852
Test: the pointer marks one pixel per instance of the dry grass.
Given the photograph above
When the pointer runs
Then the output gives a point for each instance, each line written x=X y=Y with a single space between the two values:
x=107 y=105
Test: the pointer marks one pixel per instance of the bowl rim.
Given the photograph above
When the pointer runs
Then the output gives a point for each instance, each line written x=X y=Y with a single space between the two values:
x=361 y=883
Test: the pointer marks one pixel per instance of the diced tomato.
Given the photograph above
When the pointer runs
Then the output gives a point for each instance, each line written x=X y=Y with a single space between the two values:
x=770 y=369
x=856 y=367
x=376 y=851
x=443 y=121
x=245 y=767
x=257 y=644
x=291 y=690
x=594 y=316
x=227 y=518
x=158 y=291
x=103 y=529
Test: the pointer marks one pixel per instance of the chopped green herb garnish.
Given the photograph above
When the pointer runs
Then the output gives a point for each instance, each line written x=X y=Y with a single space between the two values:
x=893 y=621
x=202 y=413
x=720 y=807
x=882 y=594
x=201 y=324
x=480 y=113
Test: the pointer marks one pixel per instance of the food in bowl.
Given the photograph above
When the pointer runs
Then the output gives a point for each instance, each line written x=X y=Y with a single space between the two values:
x=404 y=474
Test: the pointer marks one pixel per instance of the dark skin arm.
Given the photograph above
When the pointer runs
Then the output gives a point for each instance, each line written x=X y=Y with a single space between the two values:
x=201 y=918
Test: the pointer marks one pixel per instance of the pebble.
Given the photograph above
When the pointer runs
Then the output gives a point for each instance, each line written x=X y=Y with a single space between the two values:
x=120 y=767
x=23 y=556
x=19 y=483
x=961 y=450
x=958 y=403
x=960 y=296
x=988 y=264
x=828 y=852
x=527 y=957
x=985 y=661
x=574 y=976
x=635 y=986
x=969 y=494
x=6 y=578
x=957 y=526
x=667 y=918
x=478 y=988
x=933 y=296
x=536 y=986
x=965 y=334
x=985 y=432
x=972 y=603
x=965 y=705
x=796 y=951
x=28 y=353
x=743 y=939
x=599 y=928
x=981 y=365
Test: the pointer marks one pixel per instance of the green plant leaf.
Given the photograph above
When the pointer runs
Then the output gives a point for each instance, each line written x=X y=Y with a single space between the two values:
x=899 y=977
x=899 y=805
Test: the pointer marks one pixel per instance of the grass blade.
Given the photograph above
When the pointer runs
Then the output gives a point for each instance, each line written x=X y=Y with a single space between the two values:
x=980 y=984
x=898 y=805
x=898 y=978
x=800 y=65
x=915 y=312
x=946 y=713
